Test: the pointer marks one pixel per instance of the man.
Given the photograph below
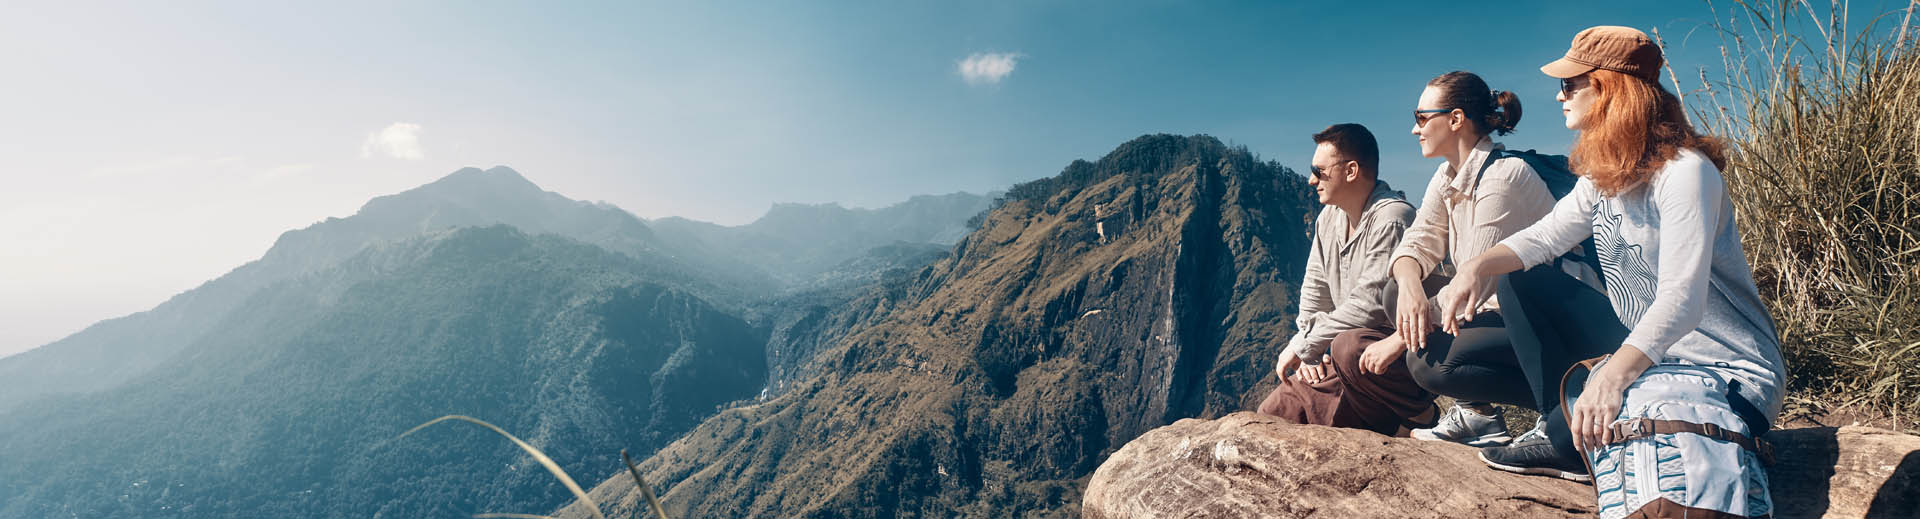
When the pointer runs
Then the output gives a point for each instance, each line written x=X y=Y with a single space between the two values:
x=1323 y=380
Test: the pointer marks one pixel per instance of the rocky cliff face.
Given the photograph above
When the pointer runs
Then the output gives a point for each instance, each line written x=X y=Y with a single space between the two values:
x=1248 y=465
x=1087 y=309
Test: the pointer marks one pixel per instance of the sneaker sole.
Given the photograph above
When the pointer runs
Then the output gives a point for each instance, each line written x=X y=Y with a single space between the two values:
x=1491 y=440
x=1537 y=471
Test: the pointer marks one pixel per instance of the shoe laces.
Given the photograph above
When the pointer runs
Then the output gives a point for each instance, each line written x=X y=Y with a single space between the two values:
x=1455 y=420
x=1539 y=432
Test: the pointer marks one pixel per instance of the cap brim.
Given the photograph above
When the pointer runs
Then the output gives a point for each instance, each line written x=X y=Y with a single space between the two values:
x=1565 y=68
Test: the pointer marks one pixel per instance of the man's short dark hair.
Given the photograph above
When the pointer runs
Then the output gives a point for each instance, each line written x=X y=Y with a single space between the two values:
x=1354 y=143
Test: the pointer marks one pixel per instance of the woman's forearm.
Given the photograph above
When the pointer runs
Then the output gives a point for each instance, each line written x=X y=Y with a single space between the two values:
x=1406 y=272
x=1496 y=261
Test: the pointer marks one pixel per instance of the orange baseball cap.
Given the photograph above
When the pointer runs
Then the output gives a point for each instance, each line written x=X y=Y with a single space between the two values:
x=1612 y=47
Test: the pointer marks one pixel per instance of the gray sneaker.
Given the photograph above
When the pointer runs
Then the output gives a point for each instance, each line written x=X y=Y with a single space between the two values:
x=1537 y=458
x=1464 y=425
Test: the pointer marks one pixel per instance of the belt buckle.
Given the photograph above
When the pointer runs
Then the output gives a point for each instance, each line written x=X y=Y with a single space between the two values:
x=1711 y=430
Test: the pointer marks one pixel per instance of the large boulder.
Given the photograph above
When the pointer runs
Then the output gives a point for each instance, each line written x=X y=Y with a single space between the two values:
x=1249 y=465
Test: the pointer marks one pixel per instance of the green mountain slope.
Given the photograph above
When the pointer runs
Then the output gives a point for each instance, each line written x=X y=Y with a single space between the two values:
x=290 y=408
x=1087 y=309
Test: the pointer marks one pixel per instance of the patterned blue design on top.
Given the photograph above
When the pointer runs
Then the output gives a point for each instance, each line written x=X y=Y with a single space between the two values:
x=1630 y=280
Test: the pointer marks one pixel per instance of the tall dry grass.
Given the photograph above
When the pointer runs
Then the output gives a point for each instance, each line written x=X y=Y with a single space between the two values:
x=579 y=494
x=1825 y=175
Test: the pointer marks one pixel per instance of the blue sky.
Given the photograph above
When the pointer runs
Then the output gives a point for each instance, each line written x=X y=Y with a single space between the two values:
x=150 y=146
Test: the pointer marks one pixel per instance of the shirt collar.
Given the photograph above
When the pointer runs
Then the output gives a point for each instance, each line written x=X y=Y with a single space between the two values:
x=1476 y=160
x=1380 y=192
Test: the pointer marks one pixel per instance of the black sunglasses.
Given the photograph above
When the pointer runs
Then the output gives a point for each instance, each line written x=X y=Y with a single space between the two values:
x=1321 y=173
x=1420 y=117
x=1568 y=85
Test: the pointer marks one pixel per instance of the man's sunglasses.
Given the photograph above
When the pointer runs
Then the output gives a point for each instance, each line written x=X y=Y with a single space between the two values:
x=1322 y=173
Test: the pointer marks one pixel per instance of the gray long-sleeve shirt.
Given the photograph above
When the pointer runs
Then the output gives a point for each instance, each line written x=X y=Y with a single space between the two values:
x=1347 y=272
x=1670 y=253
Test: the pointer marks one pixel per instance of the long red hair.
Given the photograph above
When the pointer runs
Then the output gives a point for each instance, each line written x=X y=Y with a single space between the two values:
x=1633 y=128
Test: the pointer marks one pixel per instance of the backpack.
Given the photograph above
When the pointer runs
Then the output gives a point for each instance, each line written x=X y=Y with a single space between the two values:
x=1560 y=179
x=1681 y=448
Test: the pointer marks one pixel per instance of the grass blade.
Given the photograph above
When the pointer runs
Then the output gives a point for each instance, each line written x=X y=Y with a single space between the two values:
x=642 y=483
x=537 y=456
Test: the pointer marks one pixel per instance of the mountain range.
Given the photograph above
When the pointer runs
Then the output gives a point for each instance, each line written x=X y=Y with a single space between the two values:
x=1089 y=307
x=278 y=390
x=952 y=355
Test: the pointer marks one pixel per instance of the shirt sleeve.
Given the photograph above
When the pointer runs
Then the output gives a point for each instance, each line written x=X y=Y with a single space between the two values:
x=1688 y=196
x=1314 y=297
x=1570 y=221
x=1426 y=239
x=1362 y=307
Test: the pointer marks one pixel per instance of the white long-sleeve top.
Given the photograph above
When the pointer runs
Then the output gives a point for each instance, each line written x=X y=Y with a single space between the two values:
x=1466 y=212
x=1670 y=254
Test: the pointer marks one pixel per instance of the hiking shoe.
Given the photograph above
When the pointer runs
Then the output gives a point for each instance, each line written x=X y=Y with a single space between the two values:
x=1538 y=434
x=1535 y=457
x=1464 y=425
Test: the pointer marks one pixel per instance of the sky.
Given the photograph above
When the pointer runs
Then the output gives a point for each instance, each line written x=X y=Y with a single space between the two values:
x=148 y=147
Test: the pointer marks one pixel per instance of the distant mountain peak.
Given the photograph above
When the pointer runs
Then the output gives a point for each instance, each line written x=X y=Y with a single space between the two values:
x=497 y=179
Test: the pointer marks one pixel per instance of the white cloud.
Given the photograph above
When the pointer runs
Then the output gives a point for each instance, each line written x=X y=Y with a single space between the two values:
x=988 y=68
x=398 y=140
x=284 y=171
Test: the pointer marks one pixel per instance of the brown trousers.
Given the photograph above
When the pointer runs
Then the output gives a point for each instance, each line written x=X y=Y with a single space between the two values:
x=1352 y=398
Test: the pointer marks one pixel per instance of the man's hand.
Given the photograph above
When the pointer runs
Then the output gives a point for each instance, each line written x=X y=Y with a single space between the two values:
x=1288 y=361
x=1313 y=374
x=1381 y=354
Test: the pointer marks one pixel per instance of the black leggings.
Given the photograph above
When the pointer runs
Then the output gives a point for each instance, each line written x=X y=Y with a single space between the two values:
x=1477 y=366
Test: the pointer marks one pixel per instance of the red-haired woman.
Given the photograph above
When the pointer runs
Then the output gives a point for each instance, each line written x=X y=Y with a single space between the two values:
x=1678 y=290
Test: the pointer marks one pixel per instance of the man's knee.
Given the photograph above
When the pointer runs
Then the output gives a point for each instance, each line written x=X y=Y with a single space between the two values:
x=1348 y=346
x=1279 y=403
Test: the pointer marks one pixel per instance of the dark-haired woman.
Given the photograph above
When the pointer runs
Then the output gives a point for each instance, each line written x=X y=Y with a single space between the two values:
x=1477 y=197
x=1678 y=290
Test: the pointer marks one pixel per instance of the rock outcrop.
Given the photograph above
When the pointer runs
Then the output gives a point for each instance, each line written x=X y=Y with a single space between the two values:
x=1249 y=465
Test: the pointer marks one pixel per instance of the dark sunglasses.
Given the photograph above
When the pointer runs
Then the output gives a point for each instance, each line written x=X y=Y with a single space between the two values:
x=1568 y=85
x=1321 y=173
x=1420 y=117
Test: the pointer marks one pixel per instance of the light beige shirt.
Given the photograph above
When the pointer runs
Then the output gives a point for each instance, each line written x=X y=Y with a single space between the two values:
x=1464 y=213
x=1347 y=272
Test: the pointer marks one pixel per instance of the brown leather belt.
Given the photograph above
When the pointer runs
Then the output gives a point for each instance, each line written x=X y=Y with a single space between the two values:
x=1637 y=428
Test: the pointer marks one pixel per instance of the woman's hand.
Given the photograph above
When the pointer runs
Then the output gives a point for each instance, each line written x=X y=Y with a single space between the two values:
x=1461 y=296
x=1381 y=354
x=1599 y=403
x=1411 y=324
